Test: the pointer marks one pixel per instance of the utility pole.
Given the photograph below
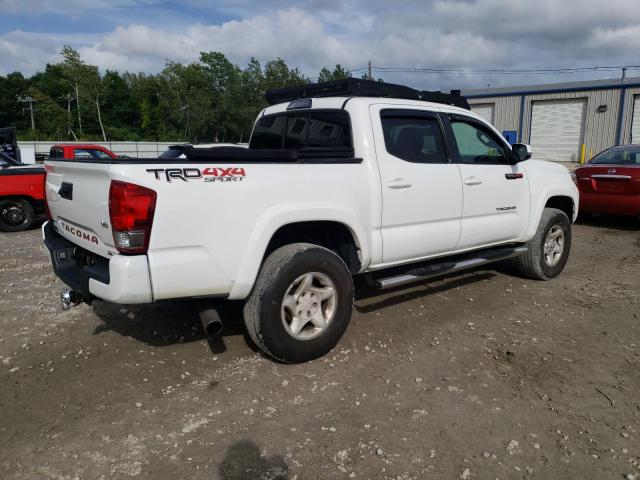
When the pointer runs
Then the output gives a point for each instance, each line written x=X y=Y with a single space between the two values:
x=78 y=107
x=30 y=100
x=624 y=73
x=370 y=75
x=68 y=98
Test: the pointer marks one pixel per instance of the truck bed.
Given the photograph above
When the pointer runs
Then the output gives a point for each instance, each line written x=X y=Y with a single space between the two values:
x=205 y=233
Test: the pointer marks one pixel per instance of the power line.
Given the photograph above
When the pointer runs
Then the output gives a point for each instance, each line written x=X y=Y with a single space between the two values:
x=502 y=71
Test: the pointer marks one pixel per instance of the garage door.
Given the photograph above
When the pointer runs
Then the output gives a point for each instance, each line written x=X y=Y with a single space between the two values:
x=557 y=129
x=485 y=110
x=635 y=120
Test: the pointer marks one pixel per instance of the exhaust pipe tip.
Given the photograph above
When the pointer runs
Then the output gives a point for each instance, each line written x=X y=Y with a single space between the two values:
x=213 y=328
x=211 y=321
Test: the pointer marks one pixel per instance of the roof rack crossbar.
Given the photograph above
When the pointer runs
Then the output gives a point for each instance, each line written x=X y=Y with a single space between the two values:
x=355 y=87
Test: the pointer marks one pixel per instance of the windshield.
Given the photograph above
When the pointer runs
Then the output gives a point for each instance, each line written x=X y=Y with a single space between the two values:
x=618 y=156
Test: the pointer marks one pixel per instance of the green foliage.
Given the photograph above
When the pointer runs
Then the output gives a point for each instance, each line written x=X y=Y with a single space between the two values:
x=208 y=100
x=338 y=73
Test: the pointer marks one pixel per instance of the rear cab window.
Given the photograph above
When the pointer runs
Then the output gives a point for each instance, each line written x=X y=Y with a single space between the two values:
x=309 y=131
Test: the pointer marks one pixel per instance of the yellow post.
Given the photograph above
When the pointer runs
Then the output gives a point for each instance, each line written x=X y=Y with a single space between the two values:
x=583 y=152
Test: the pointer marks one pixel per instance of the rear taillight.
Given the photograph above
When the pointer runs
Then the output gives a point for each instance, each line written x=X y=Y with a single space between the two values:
x=131 y=209
x=44 y=193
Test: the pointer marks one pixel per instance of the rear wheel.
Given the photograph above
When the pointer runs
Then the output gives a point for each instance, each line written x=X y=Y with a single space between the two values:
x=301 y=303
x=548 y=250
x=16 y=214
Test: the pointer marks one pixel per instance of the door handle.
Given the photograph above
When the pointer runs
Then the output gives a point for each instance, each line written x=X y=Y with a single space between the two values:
x=513 y=176
x=398 y=183
x=472 y=181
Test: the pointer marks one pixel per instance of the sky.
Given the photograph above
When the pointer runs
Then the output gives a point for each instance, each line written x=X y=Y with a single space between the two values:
x=461 y=35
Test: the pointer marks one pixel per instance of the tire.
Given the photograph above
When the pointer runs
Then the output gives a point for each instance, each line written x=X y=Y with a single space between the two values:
x=535 y=263
x=16 y=215
x=294 y=278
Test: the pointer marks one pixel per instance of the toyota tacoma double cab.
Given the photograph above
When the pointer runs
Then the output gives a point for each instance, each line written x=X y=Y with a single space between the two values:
x=340 y=179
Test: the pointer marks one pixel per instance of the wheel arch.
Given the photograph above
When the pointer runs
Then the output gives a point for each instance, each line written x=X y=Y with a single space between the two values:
x=333 y=235
x=559 y=196
x=336 y=230
x=562 y=202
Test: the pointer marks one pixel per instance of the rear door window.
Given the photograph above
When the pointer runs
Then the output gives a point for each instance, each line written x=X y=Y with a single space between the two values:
x=416 y=139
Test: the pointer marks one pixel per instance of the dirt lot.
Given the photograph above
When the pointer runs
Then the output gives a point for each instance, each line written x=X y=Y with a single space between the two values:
x=484 y=375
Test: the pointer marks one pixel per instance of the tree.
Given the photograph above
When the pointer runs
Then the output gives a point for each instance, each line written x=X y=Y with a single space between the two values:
x=223 y=79
x=13 y=86
x=338 y=73
x=120 y=110
x=211 y=99
x=86 y=82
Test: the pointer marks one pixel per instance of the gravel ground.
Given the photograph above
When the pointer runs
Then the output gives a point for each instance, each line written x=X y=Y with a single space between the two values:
x=484 y=375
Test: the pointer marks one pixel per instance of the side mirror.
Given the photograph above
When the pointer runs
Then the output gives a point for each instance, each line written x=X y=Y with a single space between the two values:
x=521 y=152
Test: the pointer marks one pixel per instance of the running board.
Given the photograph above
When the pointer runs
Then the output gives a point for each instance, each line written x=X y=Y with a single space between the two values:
x=452 y=266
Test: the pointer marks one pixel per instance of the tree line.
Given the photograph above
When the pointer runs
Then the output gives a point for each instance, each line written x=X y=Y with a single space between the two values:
x=208 y=100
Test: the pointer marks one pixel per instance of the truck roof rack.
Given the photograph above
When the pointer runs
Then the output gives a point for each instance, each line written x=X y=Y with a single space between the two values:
x=356 y=87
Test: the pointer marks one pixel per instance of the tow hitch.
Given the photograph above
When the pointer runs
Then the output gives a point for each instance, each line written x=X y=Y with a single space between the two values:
x=69 y=298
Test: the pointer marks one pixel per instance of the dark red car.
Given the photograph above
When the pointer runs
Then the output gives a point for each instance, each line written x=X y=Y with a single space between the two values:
x=610 y=182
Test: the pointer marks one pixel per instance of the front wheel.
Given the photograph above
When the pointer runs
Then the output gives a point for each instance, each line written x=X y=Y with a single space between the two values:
x=548 y=250
x=16 y=215
x=301 y=303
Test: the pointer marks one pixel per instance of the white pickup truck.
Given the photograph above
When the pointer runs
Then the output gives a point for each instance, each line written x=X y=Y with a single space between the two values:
x=340 y=179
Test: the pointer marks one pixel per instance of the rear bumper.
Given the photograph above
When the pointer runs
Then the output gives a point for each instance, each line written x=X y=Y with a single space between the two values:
x=119 y=279
x=610 y=203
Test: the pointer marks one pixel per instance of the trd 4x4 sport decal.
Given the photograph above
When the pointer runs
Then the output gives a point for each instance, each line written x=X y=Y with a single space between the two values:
x=209 y=174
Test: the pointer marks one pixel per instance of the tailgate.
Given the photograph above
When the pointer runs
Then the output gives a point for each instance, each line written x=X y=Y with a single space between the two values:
x=78 y=199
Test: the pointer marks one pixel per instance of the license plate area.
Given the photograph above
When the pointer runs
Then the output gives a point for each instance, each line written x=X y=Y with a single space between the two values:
x=609 y=186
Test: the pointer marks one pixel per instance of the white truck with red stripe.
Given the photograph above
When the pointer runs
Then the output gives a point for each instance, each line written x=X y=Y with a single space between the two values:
x=340 y=180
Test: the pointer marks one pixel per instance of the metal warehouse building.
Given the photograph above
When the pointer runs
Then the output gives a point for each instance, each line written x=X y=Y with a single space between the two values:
x=564 y=122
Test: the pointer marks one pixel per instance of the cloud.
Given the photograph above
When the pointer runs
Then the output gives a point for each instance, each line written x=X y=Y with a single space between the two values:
x=466 y=34
x=66 y=6
x=291 y=34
